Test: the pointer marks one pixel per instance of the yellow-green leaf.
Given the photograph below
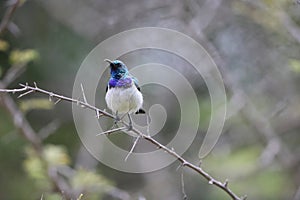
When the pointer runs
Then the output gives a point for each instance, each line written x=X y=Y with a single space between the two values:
x=23 y=56
x=294 y=65
x=36 y=169
x=39 y=103
x=3 y=45
x=90 y=181
x=56 y=155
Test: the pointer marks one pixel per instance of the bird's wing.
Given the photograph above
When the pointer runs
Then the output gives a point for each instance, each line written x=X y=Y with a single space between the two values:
x=140 y=111
x=136 y=83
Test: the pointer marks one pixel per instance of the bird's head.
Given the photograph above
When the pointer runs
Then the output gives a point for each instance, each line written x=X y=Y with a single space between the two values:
x=117 y=68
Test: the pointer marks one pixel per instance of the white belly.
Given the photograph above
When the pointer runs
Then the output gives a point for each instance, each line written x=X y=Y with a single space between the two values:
x=124 y=100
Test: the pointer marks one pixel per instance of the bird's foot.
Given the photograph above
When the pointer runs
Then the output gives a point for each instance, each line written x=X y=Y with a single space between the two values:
x=117 y=118
x=129 y=127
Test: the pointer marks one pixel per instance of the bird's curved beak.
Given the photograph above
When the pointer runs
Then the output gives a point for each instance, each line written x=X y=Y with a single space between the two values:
x=109 y=61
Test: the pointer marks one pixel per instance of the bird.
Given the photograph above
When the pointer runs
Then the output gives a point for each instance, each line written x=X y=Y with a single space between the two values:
x=123 y=95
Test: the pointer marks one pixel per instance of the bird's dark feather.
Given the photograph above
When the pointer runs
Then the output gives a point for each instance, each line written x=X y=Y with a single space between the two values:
x=140 y=111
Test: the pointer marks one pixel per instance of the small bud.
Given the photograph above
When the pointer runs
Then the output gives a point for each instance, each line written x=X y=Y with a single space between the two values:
x=226 y=183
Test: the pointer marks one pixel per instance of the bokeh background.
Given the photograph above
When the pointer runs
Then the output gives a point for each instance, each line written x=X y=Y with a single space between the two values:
x=255 y=45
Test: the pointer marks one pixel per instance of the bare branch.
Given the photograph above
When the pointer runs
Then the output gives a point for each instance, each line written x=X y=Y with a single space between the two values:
x=19 y=120
x=48 y=129
x=13 y=90
x=13 y=73
x=60 y=183
x=147 y=137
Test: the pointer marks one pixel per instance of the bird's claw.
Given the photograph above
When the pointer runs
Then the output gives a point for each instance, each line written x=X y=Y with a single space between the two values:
x=129 y=127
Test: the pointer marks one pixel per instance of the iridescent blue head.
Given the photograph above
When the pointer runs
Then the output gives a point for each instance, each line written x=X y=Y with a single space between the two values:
x=118 y=69
x=119 y=73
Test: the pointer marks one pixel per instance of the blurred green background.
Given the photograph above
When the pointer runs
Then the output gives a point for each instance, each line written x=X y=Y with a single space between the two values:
x=254 y=43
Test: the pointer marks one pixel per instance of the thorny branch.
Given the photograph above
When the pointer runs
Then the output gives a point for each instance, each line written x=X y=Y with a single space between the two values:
x=212 y=181
x=31 y=136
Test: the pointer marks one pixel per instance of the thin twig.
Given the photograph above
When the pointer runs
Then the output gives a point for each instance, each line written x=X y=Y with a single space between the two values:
x=83 y=94
x=111 y=131
x=19 y=120
x=171 y=152
x=182 y=185
x=25 y=93
x=98 y=115
x=13 y=73
x=60 y=183
x=132 y=148
x=57 y=101
x=49 y=129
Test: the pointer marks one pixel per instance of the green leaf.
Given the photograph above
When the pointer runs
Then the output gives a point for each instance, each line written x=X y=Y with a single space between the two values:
x=38 y=103
x=56 y=155
x=36 y=169
x=294 y=65
x=23 y=56
x=90 y=181
x=3 y=45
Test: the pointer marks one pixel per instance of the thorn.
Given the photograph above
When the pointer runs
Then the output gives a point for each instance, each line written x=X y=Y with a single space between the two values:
x=179 y=166
x=80 y=197
x=84 y=97
x=226 y=183
x=210 y=182
x=98 y=114
x=24 y=86
x=200 y=163
x=132 y=148
x=28 y=92
x=244 y=197
x=50 y=96
x=57 y=101
x=34 y=83
x=111 y=131
x=182 y=185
